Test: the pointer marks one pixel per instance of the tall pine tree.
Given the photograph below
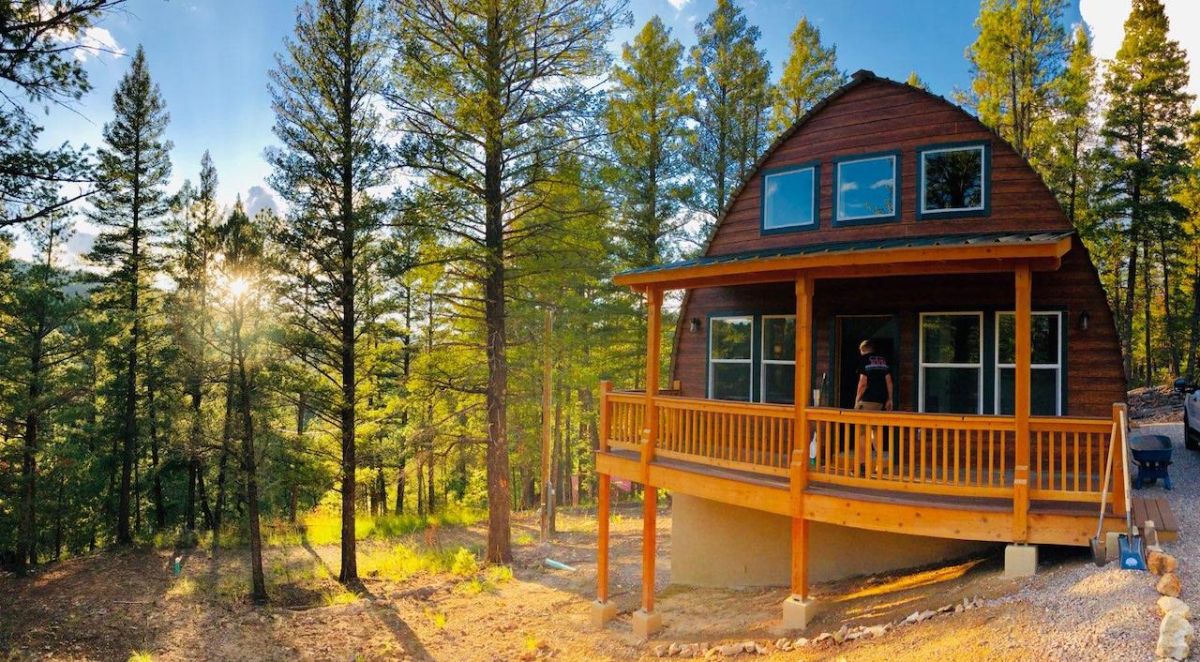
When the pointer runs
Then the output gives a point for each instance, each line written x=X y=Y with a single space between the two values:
x=730 y=77
x=1018 y=56
x=134 y=165
x=647 y=120
x=810 y=74
x=1072 y=126
x=324 y=91
x=1144 y=132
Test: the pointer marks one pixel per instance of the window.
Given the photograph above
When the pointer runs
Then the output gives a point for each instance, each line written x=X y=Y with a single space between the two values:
x=790 y=199
x=951 y=378
x=953 y=181
x=867 y=189
x=1045 y=392
x=778 y=359
x=730 y=358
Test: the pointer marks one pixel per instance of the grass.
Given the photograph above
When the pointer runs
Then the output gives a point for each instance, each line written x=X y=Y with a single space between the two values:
x=140 y=656
x=339 y=596
x=182 y=588
x=324 y=527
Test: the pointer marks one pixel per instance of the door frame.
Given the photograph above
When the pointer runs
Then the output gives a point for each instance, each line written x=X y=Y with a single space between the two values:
x=835 y=353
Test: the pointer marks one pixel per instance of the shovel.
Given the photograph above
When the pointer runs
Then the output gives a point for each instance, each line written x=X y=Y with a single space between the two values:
x=1133 y=557
x=1099 y=548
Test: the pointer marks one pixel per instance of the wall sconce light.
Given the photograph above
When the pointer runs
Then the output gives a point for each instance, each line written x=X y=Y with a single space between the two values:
x=1084 y=320
x=694 y=325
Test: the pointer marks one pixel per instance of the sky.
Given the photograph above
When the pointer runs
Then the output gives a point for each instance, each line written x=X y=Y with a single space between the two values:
x=211 y=58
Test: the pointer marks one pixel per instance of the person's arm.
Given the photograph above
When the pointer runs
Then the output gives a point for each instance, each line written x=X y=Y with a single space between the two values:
x=862 y=388
x=888 y=404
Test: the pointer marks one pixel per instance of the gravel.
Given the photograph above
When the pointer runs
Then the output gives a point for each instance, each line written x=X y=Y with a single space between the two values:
x=1108 y=613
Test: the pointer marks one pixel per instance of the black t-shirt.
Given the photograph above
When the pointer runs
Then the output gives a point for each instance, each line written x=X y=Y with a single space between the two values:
x=876 y=368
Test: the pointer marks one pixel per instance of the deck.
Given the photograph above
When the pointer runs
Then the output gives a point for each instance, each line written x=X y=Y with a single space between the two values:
x=946 y=476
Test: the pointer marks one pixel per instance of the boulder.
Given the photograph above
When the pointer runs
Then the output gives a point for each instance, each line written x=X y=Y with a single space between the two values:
x=1168 y=585
x=1161 y=563
x=1175 y=635
x=1168 y=604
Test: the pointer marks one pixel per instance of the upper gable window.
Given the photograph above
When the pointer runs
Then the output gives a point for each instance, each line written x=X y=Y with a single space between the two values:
x=790 y=199
x=953 y=180
x=867 y=189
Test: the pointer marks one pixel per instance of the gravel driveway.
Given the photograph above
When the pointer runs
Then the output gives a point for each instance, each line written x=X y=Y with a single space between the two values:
x=1107 y=613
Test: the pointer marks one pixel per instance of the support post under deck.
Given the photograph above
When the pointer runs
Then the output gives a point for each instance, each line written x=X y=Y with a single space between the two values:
x=798 y=609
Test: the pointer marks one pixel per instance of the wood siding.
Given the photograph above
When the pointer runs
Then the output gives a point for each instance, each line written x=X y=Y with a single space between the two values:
x=875 y=115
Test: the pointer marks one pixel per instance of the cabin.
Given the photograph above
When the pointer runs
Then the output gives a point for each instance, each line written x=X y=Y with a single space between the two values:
x=885 y=214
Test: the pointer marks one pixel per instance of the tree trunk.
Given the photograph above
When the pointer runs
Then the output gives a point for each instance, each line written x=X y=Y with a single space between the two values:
x=1147 y=296
x=348 y=573
x=258 y=584
x=156 y=490
x=1130 y=298
x=399 y=509
x=1194 y=342
x=129 y=420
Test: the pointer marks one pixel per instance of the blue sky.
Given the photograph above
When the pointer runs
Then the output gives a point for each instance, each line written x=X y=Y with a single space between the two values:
x=211 y=58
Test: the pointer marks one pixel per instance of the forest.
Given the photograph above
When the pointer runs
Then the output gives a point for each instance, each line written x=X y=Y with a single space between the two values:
x=434 y=305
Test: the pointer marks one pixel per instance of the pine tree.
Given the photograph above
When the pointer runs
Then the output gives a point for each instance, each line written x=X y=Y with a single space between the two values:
x=323 y=91
x=730 y=76
x=37 y=344
x=491 y=96
x=39 y=45
x=135 y=165
x=1072 y=126
x=1144 y=133
x=810 y=74
x=647 y=120
x=1016 y=60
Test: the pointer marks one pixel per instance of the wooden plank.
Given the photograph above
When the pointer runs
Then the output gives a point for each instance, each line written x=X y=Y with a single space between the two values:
x=1169 y=521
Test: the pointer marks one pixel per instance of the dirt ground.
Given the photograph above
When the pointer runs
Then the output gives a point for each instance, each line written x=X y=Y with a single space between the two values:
x=113 y=605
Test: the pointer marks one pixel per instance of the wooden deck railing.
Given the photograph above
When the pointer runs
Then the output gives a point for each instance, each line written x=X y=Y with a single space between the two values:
x=942 y=454
x=930 y=453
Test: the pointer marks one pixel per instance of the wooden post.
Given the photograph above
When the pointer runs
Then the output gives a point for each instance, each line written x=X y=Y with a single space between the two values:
x=602 y=506
x=1023 y=324
x=1120 y=466
x=547 y=377
x=799 y=468
x=654 y=299
x=605 y=389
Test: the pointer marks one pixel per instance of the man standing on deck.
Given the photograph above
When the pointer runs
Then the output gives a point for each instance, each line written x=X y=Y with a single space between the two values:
x=874 y=380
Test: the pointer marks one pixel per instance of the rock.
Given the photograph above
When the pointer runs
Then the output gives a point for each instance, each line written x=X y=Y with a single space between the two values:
x=730 y=650
x=783 y=644
x=913 y=617
x=1168 y=604
x=749 y=646
x=1168 y=585
x=1161 y=563
x=840 y=635
x=800 y=643
x=822 y=637
x=945 y=609
x=876 y=631
x=1174 y=637
x=759 y=649
x=661 y=650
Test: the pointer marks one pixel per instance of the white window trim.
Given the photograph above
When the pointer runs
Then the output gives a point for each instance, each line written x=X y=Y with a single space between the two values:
x=983 y=183
x=749 y=362
x=762 y=376
x=767 y=199
x=837 y=193
x=1056 y=367
x=922 y=365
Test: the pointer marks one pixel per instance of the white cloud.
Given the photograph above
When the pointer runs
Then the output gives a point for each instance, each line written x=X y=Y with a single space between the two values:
x=94 y=42
x=679 y=4
x=1106 y=18
x=259 y=198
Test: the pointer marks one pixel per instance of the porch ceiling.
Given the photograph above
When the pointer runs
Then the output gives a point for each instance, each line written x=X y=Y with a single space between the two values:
x=964 y=253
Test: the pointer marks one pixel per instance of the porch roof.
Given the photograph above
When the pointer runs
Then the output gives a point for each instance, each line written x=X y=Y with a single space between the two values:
x=961 y=253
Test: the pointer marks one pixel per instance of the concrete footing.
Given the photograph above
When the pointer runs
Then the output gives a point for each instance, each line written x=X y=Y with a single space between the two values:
x=602 y=612
x=1020 y=561
x=1112 y=545
x=798 y=613
x=646 y=623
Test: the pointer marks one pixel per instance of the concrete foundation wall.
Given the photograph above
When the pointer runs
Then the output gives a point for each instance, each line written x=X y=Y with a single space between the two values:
x=716 y=544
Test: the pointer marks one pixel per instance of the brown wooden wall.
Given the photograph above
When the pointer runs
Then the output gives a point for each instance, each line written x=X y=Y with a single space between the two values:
x=1094 y=376
x=880 y=115
x=874 y=115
